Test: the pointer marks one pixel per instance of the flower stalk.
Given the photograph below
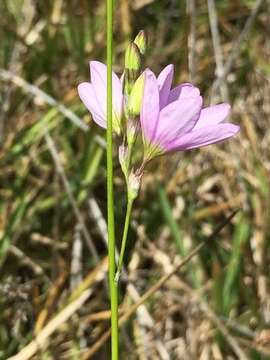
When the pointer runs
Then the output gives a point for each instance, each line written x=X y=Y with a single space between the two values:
x=110 y=194
x=124 y=239
x=133 y=187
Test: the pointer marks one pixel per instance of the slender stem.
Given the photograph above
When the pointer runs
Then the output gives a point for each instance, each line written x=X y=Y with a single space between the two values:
x=124 y=239
x=110 y=196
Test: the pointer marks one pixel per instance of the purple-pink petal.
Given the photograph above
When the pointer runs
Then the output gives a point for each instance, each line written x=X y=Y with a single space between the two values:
x=182 y=91
x=213 y=115
x=150 y=106
x=177 y=118
x=88 y=97
x=164 y=83
x=203 y=136
x=98 y=73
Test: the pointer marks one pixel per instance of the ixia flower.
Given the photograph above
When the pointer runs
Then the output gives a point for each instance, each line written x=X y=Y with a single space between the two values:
x=94 y=94
x=175 y=120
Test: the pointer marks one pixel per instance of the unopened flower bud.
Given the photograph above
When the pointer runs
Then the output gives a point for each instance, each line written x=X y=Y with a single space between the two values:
x=132 y=66
x=141 y=41
x=135 y=99
x=132 y=57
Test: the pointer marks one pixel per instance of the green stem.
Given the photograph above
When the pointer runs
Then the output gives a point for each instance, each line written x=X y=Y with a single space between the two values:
x=110 y=196
x=124 y=239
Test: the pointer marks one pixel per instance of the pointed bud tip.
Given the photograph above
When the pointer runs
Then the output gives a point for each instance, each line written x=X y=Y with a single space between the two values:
x=141 y=41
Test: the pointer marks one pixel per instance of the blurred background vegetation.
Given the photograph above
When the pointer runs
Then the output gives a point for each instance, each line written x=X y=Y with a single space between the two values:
x=53 y=186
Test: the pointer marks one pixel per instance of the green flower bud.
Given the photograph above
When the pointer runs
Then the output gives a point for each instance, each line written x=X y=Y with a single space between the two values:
x=133 y=58
x=132 y=66
x=135 y=99
x=141 y=41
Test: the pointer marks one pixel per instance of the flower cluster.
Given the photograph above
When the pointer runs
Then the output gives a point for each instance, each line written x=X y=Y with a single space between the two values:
x=168 y=119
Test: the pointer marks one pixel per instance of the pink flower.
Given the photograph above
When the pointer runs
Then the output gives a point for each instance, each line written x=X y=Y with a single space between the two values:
x=94 y=94
x=174 y=120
